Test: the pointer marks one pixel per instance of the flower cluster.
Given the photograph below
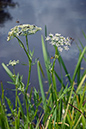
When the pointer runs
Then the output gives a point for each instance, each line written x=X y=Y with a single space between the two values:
x=13 y=63
x=59 y=41
x=22 y=30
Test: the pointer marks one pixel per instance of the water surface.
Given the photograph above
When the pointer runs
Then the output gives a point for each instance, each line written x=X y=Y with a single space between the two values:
x=65 y=17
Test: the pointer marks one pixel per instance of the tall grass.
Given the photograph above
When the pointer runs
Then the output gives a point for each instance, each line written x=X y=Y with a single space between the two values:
x=64 y=109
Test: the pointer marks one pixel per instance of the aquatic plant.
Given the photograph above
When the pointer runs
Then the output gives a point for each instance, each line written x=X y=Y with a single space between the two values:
x=59 y=41
x=22 y=30
x=54 y=109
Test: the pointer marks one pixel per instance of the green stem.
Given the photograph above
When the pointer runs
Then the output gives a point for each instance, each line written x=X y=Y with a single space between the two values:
x=72 y=84
x=61 y=73
x=29 y=74
x=27 y=107
x=22 y=45
x=27 y=44
x=14 y=70
x=16 y=99
x=29 y=59
x=16 y=90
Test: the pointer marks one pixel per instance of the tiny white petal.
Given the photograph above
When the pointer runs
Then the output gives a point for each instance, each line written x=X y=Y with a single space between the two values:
x=13 y=63
x=47 y=38
x=51 y=35
x=57 y=34
x=60 y=49
x=66 y=48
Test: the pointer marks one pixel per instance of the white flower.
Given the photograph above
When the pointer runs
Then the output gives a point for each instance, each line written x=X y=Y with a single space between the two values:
x=13 y=63
x=52 y=42
x=8 y=38
x=66 y=48
x=57 y=34
x=60 y=49
x=61 y=44
x=22 y=30
x=67 y=39
x=59 y=41
x=57 y=45
x=51 y=35
x=47 y=38
x=61 y=37
x=54 y=38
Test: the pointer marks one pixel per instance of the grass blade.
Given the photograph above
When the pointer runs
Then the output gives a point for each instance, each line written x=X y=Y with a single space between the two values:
x=41 y=85
x=8 y=71
x=21 y=109
x=3 y=118
x=46 y=60
x=78 y=64
x=62 y=62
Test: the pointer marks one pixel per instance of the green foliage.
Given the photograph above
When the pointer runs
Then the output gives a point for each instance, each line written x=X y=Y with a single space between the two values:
x=64 y=109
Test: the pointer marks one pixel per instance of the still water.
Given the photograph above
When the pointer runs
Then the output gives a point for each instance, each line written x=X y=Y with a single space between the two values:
x=62 y=16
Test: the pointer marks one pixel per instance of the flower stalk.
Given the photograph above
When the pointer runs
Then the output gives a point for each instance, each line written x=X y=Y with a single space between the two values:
x=24 y=30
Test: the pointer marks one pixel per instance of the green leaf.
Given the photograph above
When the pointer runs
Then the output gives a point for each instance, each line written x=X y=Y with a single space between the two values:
x=62 y=62
x=41 y=69
x=25 y=64
x=4 y=124
x=17 y=79
x=21 y=109
x=59 y=79
x=78 y=64
x=31 y=53
x=10 y=105
x=12 y=83
x=65 y=91
x=46 y=60
x=41 y=86
x=8 y=71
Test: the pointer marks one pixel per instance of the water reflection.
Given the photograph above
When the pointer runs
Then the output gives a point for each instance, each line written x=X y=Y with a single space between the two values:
x=63 y=16
x=4 y=14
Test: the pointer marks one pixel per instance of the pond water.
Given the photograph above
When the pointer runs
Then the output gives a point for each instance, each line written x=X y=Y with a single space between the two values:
x=62 y=16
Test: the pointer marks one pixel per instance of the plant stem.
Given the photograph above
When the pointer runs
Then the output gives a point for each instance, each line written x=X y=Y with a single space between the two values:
x=14 y=70
x=16 y=99
x=29 y=59
x=27 y=44
x=22 y=45
x=29 y=74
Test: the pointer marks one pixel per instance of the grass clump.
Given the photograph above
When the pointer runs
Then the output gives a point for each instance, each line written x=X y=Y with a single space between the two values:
x=64 y=109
